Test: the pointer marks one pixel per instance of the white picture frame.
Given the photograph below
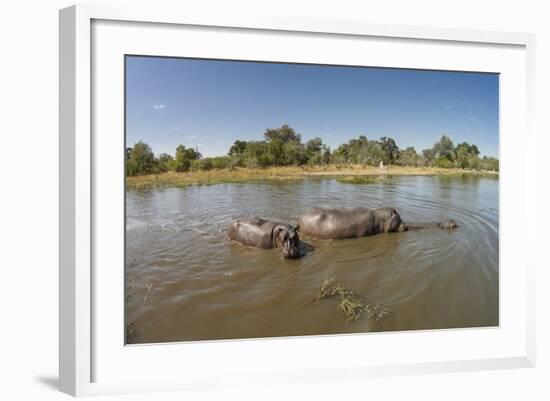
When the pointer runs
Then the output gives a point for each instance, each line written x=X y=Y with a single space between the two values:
x=79 y=152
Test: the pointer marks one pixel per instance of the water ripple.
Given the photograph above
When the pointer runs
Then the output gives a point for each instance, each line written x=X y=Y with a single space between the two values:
x=197 y=284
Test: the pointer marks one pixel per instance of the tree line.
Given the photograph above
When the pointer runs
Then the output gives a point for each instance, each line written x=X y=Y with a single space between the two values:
x=283 y=146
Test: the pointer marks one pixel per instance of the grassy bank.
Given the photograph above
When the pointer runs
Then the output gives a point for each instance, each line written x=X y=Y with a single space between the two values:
x=355 y=174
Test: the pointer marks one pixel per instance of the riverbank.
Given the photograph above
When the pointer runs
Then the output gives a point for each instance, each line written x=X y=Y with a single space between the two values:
x=349 y=173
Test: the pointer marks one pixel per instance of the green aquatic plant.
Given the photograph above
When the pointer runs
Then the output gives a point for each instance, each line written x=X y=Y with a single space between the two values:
x=328 y=289
x=358 y=179
x=366 y=179
x=350 y=304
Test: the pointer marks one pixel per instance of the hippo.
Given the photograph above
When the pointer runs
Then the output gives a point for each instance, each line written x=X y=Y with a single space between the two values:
x=322 y=223
x=265 y=234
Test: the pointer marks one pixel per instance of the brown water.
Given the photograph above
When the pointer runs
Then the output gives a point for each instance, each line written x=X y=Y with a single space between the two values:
x=185 y=281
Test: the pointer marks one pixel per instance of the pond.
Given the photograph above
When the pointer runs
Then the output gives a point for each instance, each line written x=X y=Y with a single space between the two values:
x=186 y=281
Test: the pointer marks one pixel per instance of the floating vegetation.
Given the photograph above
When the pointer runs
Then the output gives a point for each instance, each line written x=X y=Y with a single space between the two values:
x=358 y=179
x=367 y=179
x=350 y=304
x=328 y=289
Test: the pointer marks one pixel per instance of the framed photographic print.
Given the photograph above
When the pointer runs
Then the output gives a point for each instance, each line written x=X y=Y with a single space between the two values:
x=278 y=200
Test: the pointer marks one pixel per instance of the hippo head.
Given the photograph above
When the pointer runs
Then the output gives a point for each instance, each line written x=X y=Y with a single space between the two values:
x=448 y=224
x=287 y=239
x=395 y=224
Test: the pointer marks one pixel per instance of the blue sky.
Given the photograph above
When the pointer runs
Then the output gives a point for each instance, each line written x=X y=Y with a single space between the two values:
x=209 y=104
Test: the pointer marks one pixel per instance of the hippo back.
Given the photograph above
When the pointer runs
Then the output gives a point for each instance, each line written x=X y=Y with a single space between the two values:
x=347 y=223
x=336 y=223
x=252 y=231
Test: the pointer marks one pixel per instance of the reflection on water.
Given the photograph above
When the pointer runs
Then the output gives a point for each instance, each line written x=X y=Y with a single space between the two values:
x=186 y=281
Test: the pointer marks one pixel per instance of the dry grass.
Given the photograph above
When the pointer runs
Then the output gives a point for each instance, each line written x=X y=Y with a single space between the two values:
x=350 y=304
x=355 y=174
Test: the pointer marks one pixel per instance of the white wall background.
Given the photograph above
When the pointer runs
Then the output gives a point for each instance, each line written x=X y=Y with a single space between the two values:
x=29 y=195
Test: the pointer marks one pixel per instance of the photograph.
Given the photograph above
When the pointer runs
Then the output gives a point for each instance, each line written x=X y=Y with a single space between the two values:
x=272 y=199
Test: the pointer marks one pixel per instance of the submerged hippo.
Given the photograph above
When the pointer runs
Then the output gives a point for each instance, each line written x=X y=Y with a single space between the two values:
x=265 y=234
x=444 y=225
x=357 y=222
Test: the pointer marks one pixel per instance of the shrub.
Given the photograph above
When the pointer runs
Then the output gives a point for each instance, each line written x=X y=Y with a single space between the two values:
x=221 y=162
x=443 y=162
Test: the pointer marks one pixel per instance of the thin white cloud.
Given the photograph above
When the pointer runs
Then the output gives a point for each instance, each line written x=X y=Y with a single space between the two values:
x=190 y=137
x=449 y=106
x=472 y=119
x=159 y=106
x=327 y=135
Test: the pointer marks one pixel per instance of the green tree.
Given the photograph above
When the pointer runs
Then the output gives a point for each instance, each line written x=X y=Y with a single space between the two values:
x=184 y=158
x=341 y=154
x=390 y=148
x=315 y=150
x=264 y=160
x=357 y=148
x=165 y=162
x=428 y=156
x=238 y=148
x=140 y=159
x=444 y=148
x=295 y=153
x=256 y=154
x=409 y=157
x=284 y=134
x=203 y=164
x=489 y=163
x=276 y=152
x=222 y=162
x=474 y=162
x=462 y=156
x=466 y=156
x=373 y=154
x=326 y=157
x=443 y=162
x=283 y=146
x=314 y=145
